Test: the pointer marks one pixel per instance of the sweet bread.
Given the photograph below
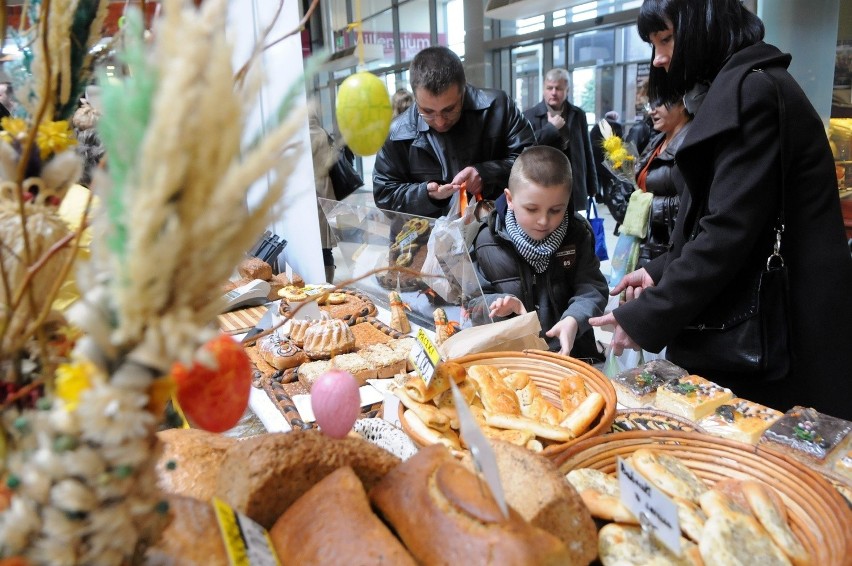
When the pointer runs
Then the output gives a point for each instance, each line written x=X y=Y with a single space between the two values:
x=336 y=298
x=292 y=294
x=327 y=338
x=624 y=545
x=280 y=353
x=669 y=474
x=740 y=419
x=692 y=397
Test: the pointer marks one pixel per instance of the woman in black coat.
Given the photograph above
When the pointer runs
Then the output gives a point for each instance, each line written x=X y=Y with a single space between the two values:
x=732 y=161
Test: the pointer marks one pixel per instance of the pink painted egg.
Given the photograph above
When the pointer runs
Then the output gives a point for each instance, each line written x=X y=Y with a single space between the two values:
x=335 y=402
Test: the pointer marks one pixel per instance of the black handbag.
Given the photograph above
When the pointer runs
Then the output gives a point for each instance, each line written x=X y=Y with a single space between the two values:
x=746 y=328
x=345 y=179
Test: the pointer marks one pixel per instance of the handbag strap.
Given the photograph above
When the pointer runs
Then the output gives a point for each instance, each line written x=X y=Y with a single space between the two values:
x=779 y=220
x=591 y=207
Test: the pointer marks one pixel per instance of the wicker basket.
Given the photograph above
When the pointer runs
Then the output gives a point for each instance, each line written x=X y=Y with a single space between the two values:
x=547 y=370
x=818 y=514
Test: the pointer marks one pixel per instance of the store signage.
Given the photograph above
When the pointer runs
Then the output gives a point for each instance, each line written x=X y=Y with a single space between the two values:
x=246 y=542
x=410 y=43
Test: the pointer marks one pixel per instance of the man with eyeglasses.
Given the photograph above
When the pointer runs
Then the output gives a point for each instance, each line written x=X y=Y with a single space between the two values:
x=560 y=124
x=453 y=135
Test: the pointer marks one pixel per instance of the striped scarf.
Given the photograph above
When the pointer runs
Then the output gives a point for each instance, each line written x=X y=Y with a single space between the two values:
x=537 y=253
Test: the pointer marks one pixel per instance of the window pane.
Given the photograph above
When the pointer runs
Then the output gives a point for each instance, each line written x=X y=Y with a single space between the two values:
x=414 y=29
x=336 y=15
x=378 y=30
x=451 y=25
x=368 y=7
x=634 y=48
x=583 y=12
x=527 y=75
x=583 y=91
x=529 y=25
x=593 y=47
x=559 y=58
x=560 y=18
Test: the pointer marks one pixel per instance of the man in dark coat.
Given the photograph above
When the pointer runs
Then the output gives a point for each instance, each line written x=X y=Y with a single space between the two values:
x=560 y=124
x=454 y=135
x=742 y=188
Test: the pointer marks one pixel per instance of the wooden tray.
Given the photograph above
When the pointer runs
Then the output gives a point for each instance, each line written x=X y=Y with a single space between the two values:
x=547 y=370
x=819 y=515
x=241 y=320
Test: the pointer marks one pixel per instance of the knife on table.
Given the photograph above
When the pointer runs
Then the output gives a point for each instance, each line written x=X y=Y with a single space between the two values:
x=264 y=324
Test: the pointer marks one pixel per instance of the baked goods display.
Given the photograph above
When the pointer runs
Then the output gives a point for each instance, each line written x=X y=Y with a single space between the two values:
x=741 y=522
x=254 y=268
x=740 y=419
x=348 y=305
x=637 y=387
x=280 y=353
x=398 y=320
x=816 y=514
x=444 y=514
x=506 y=404
x=691 y=396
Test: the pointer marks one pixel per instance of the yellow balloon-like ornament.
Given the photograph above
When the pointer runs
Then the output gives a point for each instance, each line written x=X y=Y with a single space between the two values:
x=364 y=112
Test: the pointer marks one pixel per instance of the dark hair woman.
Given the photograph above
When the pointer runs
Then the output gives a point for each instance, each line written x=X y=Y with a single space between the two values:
x=756 y=153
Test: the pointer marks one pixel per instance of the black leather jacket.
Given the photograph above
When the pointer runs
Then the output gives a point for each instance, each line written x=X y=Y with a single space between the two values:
x=490 y=134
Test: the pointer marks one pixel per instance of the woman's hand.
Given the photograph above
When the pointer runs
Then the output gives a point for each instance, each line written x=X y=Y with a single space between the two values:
x=566 y=329
x=633 y=284
x=504 y=306
x=620 y=339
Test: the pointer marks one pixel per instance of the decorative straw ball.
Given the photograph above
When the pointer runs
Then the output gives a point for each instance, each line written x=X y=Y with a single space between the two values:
x=335 y=401
x=364 y=112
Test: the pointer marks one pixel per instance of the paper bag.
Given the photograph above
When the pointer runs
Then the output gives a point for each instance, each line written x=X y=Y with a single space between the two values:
x=512 y=335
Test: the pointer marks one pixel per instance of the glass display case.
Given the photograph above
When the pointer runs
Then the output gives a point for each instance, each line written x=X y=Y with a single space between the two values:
x=392 y=251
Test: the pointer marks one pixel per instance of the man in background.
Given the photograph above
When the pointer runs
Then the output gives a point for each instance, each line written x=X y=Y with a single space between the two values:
x=454 y=137
x=560 y=124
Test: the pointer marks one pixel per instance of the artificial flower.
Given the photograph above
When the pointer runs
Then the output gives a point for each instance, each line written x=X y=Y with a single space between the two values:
x=13 y=129
x=619 y=158
x=72 y=379
x=54 y=137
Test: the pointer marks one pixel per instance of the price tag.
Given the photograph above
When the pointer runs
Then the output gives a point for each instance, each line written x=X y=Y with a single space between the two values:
x=408 y=240
x=390 y=409
x=246 y=542
x=650 y=505
x=424 y=357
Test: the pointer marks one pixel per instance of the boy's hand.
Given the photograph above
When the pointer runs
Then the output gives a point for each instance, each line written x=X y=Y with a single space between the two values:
x=470 y=176
x=566 y=330
x=504 y=306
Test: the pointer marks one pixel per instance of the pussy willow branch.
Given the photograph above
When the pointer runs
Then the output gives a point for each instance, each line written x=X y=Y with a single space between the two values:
x=260 y=46
x=21 y=393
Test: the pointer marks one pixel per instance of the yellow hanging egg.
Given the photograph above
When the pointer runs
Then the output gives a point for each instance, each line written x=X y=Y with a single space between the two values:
x=363 y=112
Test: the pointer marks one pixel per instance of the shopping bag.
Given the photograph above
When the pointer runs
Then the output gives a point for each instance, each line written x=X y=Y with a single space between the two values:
x=345 y=179
x=597 y=229
x=624 y=258
x=638 y=214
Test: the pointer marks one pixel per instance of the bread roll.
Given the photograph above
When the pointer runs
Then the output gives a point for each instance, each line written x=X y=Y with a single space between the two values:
x=192 y=538
x=280 y=353
x=445 y=515
x=580 y=419
x=601 y=494
x=333 y=524
x=735 y=539
x=495 y=395
x=255 y=268
x=263 y=475
x=773 y=518
x=190 y=461
x=544 y=498
x=669 y=474
x=444 y=373
x=624 y=545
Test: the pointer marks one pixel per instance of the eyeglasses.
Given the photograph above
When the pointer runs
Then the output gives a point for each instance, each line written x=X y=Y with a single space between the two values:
x=446 y=115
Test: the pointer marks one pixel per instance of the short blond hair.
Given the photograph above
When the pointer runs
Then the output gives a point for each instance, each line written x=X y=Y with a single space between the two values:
x=543 y=165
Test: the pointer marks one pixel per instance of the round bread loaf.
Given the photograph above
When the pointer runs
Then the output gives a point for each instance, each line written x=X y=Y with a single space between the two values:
x=444 y=514
x=254 y=268
x=190 y=461
x=298 y=327
x=263 y=475
x=544 y=498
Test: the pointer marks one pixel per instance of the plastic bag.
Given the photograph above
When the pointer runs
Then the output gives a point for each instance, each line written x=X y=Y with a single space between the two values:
x=447 y=242
x=638 y=214
x=624 y=258
x=597 y=224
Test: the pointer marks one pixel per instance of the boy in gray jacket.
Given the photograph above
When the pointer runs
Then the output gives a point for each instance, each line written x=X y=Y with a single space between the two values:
x=535 y=253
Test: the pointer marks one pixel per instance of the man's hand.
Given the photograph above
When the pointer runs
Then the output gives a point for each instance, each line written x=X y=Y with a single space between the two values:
x=470 y=176
x=566 y=330
x=504 y=306
x=440 y=192
x=633 y=284
x=557 y=121
x=620 y=340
